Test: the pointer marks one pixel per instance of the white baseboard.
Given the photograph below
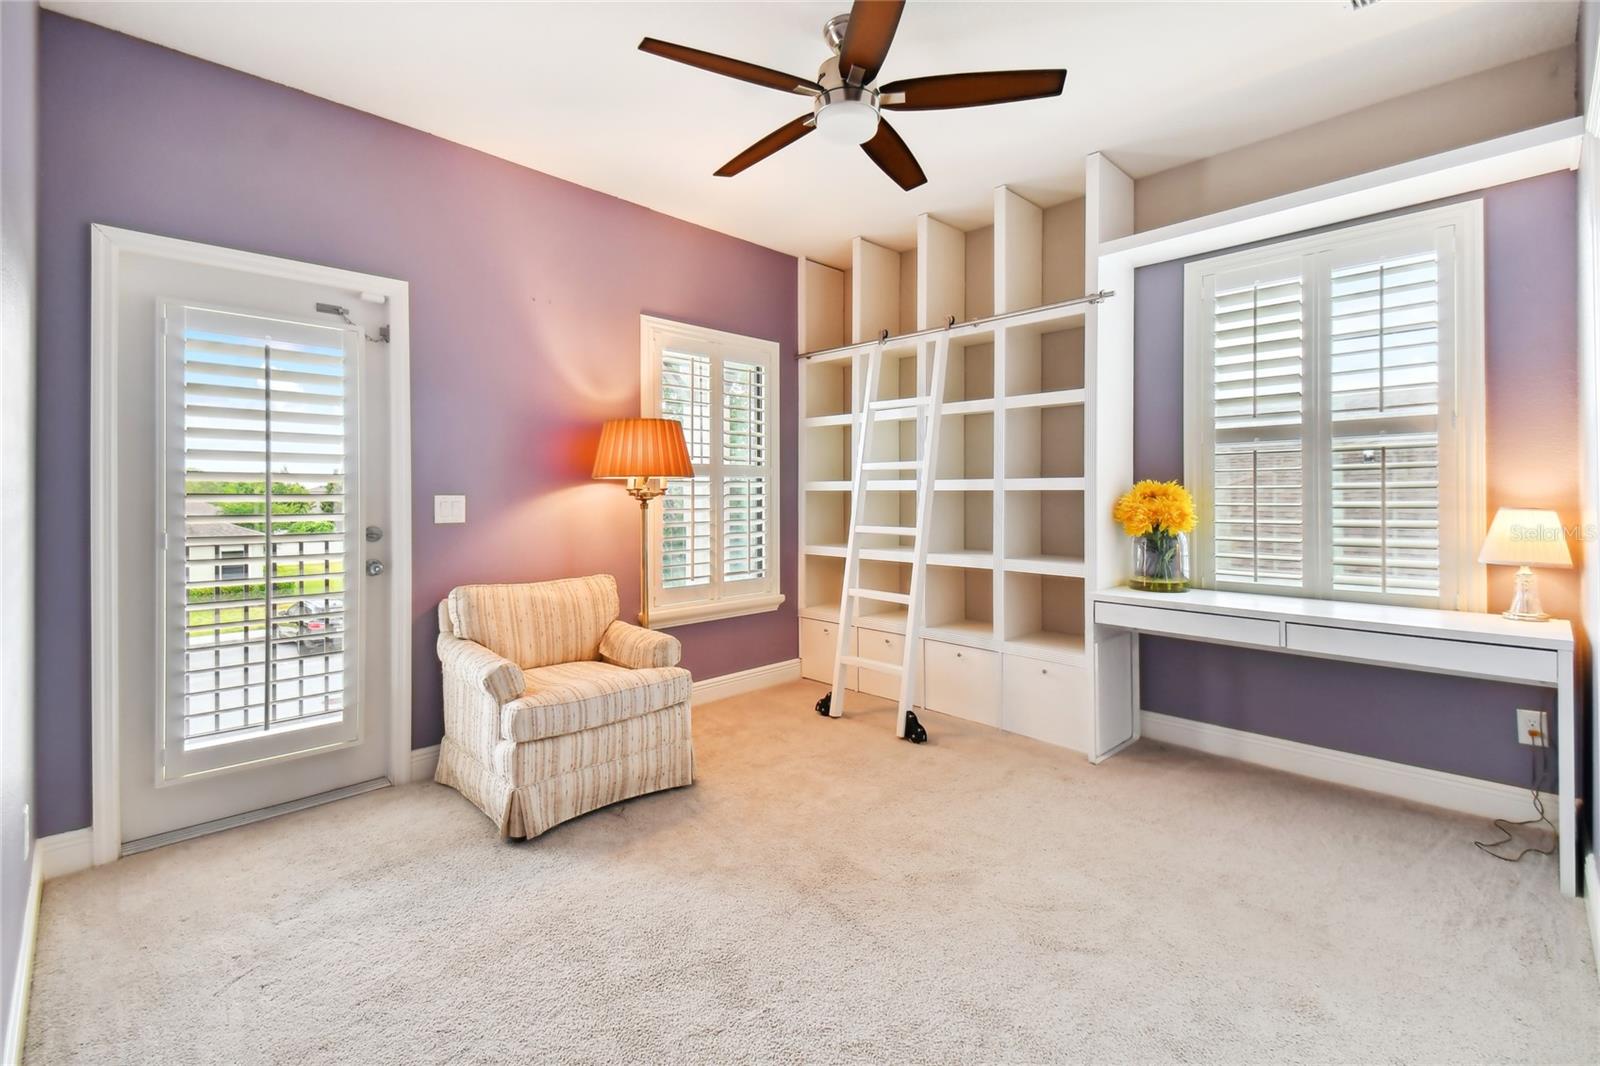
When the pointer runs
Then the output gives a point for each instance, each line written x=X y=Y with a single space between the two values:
x=1485 y=799
x=720 y=688
x=16 y=1019
x=66 y=853
x=423 y=762
x=1591 y=899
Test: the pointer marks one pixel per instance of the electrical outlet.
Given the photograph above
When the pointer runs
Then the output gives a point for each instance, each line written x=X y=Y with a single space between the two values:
x=1533 y=727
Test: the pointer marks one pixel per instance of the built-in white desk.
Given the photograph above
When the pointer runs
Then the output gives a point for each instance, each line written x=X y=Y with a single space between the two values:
x=1461 y=643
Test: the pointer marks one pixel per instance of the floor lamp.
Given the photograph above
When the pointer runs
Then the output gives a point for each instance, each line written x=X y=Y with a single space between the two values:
x=644 y=452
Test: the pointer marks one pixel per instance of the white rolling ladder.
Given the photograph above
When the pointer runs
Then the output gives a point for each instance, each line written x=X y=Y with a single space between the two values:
x=925 y=408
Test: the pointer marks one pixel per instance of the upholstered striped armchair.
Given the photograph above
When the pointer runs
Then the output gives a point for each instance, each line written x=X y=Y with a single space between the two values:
x=553 y=706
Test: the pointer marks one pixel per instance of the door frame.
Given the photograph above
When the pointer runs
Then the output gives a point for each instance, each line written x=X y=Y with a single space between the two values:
x=108 y=244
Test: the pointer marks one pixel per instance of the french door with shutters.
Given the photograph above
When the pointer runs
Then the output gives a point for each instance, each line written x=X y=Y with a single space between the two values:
x=253 y=618
x=259 y=427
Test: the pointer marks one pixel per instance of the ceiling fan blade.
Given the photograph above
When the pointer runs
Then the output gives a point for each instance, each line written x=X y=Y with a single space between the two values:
x=970 y=90
x=893 y=157
x=782 y=137
x=730 y=68
x=867 y=38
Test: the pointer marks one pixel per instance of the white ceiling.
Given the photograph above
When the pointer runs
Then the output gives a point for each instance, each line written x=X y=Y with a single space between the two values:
x=561 y=87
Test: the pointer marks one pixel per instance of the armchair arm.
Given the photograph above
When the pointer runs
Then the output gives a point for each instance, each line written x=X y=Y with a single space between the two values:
x=627 y=645
x=472 y=662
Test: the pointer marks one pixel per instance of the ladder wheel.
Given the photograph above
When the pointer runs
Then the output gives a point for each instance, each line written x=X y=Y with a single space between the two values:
x=915 y=732
x=825 y=705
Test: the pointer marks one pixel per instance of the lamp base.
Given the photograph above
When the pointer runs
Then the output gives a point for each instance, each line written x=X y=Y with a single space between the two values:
x=1525 y=606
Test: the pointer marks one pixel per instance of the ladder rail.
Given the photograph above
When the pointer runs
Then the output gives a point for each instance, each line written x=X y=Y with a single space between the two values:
x=928 y=454
x=852 y=550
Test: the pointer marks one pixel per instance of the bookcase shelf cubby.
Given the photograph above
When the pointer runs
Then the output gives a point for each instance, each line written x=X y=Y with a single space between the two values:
x=1010 y=538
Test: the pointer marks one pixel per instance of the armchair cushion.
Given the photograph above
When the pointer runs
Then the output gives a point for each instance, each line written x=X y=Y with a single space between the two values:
x=539 y=623
x=575 y=696
x=630 y=646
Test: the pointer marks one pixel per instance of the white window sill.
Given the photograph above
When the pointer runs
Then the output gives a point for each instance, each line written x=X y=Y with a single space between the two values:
x=683 y=614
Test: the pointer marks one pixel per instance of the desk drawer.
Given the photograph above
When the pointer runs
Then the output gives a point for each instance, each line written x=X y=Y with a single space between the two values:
x=1219 y=628
x=1436 y=654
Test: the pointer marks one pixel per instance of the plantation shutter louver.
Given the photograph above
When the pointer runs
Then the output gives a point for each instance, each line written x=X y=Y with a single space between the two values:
x=1384 y=397
x=744 y=495
x=1257 y=409
x=686 y=507
x=259 y=520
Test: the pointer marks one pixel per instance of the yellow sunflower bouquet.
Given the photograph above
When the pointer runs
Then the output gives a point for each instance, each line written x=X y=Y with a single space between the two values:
x=1158 y=515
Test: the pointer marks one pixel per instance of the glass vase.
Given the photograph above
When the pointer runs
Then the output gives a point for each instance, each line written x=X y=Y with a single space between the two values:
x=1160 y=562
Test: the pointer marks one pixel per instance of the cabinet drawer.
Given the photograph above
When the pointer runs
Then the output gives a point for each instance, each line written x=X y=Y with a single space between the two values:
x=884 y=648
x=1046 y=701
x=1436 y=654
x=819 y=643
x=1218 y=628
x=962 y=681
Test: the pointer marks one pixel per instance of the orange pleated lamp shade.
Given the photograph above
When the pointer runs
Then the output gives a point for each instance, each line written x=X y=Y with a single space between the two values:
x=642 y=447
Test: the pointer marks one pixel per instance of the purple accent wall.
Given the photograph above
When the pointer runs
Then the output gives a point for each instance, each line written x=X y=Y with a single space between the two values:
x=526 y=293
x=1531 y=364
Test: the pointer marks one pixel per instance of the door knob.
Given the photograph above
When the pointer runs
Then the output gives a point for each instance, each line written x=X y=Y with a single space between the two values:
x=374 y=567
x=374 y=534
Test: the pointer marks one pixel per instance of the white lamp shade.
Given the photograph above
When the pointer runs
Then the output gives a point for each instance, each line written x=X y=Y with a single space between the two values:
x=1525 y=537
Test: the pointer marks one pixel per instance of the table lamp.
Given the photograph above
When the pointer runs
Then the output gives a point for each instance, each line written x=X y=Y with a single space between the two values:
x=1525 y=538
x=644 y=452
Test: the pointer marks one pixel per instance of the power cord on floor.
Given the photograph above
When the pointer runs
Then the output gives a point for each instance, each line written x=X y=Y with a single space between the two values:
x=1540 y=756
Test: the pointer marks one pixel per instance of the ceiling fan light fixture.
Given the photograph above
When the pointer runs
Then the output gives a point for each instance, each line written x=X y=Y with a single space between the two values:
x=847 y=121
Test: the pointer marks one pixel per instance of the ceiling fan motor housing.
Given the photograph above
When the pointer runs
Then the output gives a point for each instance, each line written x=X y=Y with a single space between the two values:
x=843 y=112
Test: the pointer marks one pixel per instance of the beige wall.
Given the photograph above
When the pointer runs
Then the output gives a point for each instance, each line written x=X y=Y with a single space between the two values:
x=1517 y=96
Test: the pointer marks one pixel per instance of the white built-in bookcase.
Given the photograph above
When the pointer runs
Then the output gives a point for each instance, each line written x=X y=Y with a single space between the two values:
x=1011 y=548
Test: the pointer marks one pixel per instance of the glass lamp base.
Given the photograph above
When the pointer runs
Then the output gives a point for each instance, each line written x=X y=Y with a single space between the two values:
x=1525 y=606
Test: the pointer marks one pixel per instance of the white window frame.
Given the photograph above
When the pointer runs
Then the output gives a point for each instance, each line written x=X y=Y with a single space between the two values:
x=674 y=607
x=1457 y=231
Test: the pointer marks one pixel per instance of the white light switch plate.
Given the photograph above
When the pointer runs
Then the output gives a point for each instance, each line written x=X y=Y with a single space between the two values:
x=449 y=510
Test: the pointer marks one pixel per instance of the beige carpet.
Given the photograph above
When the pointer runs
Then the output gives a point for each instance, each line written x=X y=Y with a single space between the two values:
x=827 y=893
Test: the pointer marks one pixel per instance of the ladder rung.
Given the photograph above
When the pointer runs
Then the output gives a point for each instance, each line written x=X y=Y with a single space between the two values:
x=870 y=664
x=889 y=531
x=890 y=464
x=881 y=596
x=892 y=405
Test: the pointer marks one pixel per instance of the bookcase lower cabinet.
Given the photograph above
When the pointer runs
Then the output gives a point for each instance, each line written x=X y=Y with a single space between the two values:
x=819 y=643
x=1047 y=700
x=962 y=681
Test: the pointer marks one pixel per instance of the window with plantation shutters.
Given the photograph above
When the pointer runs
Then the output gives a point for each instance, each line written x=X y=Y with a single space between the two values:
x=1334 y=412
x=258 y=425
x=715 y=534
